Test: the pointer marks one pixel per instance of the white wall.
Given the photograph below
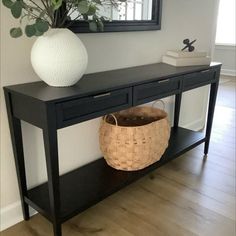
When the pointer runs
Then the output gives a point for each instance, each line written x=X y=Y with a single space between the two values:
x=226 y=54
x=79 y=144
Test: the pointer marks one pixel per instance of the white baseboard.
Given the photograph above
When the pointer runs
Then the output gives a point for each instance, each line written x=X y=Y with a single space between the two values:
x=228 y=72
x=11 y=215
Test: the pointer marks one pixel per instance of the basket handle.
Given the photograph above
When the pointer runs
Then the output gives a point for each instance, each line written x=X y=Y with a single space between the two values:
x=105 y=117
x=161 y=101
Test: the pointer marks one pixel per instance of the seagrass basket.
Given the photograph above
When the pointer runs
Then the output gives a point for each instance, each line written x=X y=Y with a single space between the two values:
x=135 y=138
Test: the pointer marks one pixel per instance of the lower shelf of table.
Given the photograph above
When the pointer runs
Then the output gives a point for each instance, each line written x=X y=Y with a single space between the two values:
x=87 y=185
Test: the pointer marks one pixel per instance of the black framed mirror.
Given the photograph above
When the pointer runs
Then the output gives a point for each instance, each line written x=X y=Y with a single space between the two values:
x=132 y=15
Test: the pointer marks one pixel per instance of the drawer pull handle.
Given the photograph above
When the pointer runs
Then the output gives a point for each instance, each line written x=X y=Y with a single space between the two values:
x=205 y=71
x=102 y=95
x=164 y=81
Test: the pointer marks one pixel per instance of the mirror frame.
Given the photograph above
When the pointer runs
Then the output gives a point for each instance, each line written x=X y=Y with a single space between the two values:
x=122 y=26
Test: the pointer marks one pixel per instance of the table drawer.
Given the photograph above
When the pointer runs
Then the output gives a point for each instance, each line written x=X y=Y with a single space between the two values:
x=151 y=91
x=81 y=109
x=198 y=79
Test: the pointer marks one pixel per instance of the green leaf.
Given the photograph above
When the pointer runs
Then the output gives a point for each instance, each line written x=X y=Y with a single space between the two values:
x=41 y=25
x=92 y=10
x=16 y=32
x=56 y=4
x=30 y=30
x=83 y=7
x=7 y=3
x=16 y=9
x=38 y=33
x=100 y=25
x=93 y=26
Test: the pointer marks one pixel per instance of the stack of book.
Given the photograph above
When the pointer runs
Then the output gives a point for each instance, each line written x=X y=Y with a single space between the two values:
x=185 y=58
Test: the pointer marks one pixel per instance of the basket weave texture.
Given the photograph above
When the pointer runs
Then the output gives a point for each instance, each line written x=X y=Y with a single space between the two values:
x=134 y=147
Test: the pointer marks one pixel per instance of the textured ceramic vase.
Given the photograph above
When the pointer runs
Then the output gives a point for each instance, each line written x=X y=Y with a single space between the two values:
x=59 y=58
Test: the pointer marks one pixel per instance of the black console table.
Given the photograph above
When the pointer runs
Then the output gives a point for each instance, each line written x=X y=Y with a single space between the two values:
x=97 y=94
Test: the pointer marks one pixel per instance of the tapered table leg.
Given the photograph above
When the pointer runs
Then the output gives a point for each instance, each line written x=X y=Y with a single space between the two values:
x=178 y=98
x=17 y=144
x=51 y=152
x=211 y=108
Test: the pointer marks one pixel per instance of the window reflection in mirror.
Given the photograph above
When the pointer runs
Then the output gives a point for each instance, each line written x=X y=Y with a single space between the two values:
x=129 y=15
x=129 y=10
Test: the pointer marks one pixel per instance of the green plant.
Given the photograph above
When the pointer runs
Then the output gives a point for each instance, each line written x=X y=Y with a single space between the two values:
x=44 y=14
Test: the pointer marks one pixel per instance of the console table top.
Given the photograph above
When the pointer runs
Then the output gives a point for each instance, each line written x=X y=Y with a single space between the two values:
x=105 y=81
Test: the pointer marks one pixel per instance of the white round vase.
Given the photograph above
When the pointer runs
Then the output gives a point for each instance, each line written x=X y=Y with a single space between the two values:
x=59 y=58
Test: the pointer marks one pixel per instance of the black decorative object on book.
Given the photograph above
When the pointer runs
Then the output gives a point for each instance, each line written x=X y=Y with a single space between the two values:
x=189 y=45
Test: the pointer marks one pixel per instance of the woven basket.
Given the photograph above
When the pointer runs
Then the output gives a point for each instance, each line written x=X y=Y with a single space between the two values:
x=134 y=138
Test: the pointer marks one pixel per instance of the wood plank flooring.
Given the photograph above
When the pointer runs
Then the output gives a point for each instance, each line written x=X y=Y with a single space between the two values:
x=191 y=195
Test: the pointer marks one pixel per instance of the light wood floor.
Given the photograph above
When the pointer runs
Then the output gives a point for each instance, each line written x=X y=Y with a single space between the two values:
x=189 y=196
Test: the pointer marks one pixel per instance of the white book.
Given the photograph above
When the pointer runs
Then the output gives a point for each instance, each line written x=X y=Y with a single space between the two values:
x=186 y=61
x=176 y=53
